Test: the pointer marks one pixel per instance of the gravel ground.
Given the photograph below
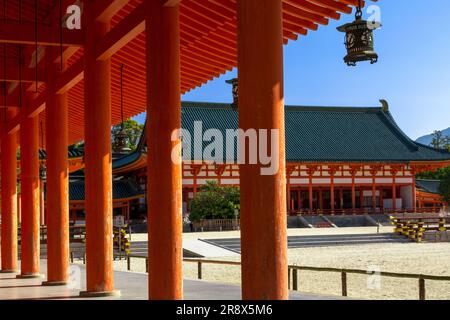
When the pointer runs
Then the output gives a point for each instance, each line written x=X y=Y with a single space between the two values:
x=424 y=258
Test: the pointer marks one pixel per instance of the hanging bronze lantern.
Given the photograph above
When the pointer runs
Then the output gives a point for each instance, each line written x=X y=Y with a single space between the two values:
x=359 y=40
x=121 y=137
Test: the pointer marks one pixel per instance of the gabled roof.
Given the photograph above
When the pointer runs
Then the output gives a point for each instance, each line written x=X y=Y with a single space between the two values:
x=73 y=153
x=326 y=134
x=122 y=189
x=428 y=186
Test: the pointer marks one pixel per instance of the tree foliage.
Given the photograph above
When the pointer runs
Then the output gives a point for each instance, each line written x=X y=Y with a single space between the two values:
x=440 y=174
x=214 y=202
x=440 y=141
x=444 y=188
x=133 y=129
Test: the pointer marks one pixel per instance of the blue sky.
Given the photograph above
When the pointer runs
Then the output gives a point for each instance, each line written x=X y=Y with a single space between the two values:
x=413 y=72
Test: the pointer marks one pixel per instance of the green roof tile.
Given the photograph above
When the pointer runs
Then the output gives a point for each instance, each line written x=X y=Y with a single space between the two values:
x=328 y=134
x=430 y=186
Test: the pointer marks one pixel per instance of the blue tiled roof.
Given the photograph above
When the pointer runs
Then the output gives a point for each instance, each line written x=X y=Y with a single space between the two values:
x=430 y=186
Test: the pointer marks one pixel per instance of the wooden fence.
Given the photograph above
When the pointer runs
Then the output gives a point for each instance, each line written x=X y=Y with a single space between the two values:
x=216 y=225
x=293 y=272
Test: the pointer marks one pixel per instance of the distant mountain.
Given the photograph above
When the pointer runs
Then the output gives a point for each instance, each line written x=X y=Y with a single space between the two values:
x=429 y=138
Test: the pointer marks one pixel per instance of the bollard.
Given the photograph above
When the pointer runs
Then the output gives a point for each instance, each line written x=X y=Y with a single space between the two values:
x=146 y=265
x=442 y=227
x=289 y=278
x=199 y=270
x=84 y=258
x=128 y=263
x=344 y=283
x=294 y=279
x=71 y=257
x=422 y=292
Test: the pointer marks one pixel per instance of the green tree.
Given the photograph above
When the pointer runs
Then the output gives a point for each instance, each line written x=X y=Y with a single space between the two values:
x=444 y=188
x=439 y=174
x=214 y=202
x=133 y=129
x=440 y=141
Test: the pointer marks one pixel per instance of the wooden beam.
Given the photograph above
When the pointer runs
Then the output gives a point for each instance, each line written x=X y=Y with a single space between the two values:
x=36 y=107
x=125 y=31
x=24 y=33
x=106 y=9
x=171 y=3
x=12 y=74
x=69 y=78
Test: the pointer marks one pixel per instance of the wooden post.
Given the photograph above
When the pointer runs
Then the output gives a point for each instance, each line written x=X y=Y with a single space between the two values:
x=294 y=279
x=422 y=291
x=311 y=194
x=289 y=278
x=353 y=191
x=199 y=270
x=30 y=243
x=263 y=195
x=344 y=283
x=333 y=206
x=98 y=161
x=57 y=179
x=394 y=194
x=9 y=203
x=374 y=194
x=164 y=171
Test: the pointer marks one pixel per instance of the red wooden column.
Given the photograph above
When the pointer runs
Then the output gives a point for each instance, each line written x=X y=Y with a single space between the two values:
x=311 y=170
x=9 y=200
x=57 y=178
x=353 y=171
x=164 y=173
x=261 y=106
x=394 y=194
x=98 y=165
x=394 y=172
x=374 y=194
x=30 y=197
x=332 y=172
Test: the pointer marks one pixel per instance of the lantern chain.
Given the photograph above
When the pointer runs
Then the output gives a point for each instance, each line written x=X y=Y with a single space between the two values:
x=359 y=10
x=121 y=95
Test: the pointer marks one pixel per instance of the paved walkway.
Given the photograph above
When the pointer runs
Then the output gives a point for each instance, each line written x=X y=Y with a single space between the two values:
x=133 y=286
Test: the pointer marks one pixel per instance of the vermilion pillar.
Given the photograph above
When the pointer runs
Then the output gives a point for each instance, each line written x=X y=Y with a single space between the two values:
x=374 y=194
x=261 y=106
x=30 y=197
x=332 y=193
x=57 y=179
x=394 y=194
x=311 y=194
x=164 y=172
x=353 y=191
x=9 y=200
x=98 y=163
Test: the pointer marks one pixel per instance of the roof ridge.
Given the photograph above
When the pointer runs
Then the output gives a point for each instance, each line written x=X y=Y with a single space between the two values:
x=197 y=104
